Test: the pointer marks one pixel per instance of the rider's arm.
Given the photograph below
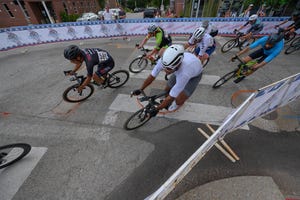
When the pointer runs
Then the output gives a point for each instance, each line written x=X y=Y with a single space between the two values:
x=147 y=82
x=258 y=65
x=243 y=26
x=76 y=68
x=167 y=101
x=144 y=41
x=243 y=51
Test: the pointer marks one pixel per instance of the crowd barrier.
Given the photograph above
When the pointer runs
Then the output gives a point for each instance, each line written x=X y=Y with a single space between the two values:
x=21 y=36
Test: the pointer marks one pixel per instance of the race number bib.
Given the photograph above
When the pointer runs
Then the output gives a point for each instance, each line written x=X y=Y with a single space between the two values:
x=102 y=55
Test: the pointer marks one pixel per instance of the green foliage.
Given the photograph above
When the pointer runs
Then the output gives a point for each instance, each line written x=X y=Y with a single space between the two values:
x=68 y=18
x=101 y=3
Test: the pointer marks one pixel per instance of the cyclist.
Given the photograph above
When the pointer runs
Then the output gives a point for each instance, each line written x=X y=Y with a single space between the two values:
x=91 y=57
x=210 y=28
x=203 y=42
x=162 y=41
x=295 y=25
x=186 y=72
x=271 y=47
x=256 y=27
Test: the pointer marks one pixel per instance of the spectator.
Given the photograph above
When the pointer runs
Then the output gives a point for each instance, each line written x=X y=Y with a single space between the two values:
x=262 y=11
x=122 y=14
x=248 y=11
x=107 y=15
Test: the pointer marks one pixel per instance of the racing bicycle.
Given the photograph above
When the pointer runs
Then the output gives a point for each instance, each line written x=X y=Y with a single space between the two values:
x=140 y=117
x=9 y=154
x=141 y=62
x=294 y=46
x=236 y=42
x=113 y=80
x=288 y=35
x=242 y=70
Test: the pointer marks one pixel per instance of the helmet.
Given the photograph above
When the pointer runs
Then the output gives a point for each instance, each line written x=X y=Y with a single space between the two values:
x=296 y=14
x=274 y=38
x=205 y=24
x=152 y=28
x=253 y=17
x=172 y=56
x=71 y=52
x=199 y=33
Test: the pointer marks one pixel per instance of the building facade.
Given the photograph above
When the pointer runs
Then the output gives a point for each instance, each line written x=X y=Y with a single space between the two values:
x=24 y=12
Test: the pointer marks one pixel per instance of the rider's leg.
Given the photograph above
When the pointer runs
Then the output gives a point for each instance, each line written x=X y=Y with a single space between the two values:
x=100 y=75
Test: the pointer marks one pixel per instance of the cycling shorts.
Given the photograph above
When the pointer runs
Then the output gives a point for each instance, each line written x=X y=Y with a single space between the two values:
x=105 y=67
x=258 y=54
x=190 y=86
x=209 y=50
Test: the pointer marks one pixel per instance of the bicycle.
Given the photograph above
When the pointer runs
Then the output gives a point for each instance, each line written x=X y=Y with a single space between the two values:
x=9 y=154
x=236 y=42
x=294 y=46
x=140 y=63
x=140 y=117
x=113 y=80
x=242 y=70
x=288 y=35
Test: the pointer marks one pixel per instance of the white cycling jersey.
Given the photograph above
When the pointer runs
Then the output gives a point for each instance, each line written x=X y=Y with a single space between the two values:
x=207 y=41
x=189 y=68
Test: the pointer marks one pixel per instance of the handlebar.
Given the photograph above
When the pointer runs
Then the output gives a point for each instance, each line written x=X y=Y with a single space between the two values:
x=75 y=77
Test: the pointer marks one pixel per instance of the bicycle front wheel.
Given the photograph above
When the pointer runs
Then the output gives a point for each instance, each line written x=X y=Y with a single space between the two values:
x=224 y=79
x=72 y=95
x=228 y=45
x=138 y=65
x=290 y=50
x=290 y=37
x=11 y=153
x=137 y=120
x=118 y=78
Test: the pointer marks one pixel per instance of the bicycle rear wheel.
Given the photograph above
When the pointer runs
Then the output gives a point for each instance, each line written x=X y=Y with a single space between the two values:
x=246 y=43
x=11 y=153
x=290 y=49
x=71 y=94
x=118 y=78
x=228 y=45
x=224 y=79
x=138 y=65
x=137 y=120
x=290 y=37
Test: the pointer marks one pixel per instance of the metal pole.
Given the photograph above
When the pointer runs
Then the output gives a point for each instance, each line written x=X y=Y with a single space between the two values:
x=47 y=11
x=26 y=17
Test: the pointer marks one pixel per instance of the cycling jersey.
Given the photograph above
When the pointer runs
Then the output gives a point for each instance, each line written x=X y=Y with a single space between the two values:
x=190 y=67
x=96 y=56
x=256 y=27
x=161 y=39
x=270 y=53
x=206 y=42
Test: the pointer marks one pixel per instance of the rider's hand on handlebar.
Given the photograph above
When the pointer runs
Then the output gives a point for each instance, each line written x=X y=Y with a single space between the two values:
x=233 y=58
x=276 y=26
x=136 y=92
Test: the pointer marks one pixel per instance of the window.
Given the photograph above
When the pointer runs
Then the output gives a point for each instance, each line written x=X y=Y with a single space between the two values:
x=7 y=10
x=23 y=6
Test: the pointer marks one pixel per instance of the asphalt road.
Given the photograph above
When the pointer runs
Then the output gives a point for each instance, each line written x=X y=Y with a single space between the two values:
x=88 y=155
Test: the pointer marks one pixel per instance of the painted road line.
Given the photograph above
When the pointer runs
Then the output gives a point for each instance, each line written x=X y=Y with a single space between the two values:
x=12 y=177
x=206 y=79
x=193 y=112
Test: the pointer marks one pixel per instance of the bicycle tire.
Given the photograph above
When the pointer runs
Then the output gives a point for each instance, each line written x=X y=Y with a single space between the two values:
x=291 y=37
x=138 y=64
x=224 y=79
x=290 y=49
x=205 y=63
x=85 y=94
x=6 y=156
x=228 y=45
x=296 y=42
x=250 y=41
x=118 y=78
x=141 y=118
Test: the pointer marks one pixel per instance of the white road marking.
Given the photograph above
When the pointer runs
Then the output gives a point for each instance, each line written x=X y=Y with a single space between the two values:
x=206 y=79
x=12 y=177
x=193 y=112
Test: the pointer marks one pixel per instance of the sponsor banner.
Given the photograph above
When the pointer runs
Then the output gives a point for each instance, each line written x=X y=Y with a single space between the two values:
x=46 y=33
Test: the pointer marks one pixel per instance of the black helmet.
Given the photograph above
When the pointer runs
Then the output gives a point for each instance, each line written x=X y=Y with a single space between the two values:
x=274 y=38
x=71 y=52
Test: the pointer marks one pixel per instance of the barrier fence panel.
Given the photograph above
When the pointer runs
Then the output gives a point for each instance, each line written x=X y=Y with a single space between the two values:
x=46 y=33
x=258 y=104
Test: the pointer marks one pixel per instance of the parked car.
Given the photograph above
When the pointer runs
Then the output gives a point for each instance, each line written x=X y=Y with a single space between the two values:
x=150 y=12
x=114 y=11
x=87 y=17
x=136 y=10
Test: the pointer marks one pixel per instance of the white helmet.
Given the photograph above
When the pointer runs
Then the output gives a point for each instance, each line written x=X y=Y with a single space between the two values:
x=152 y=28
x=172 y=56
x=253 y=17
x=199 y=33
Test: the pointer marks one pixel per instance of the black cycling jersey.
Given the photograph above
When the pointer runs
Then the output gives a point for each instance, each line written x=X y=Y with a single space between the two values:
x=95 y=56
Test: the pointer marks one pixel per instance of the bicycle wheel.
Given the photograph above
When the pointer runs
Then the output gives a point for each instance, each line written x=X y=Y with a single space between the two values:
x=11 y=153
x=228 y=45
x=71 y=94
x=290 y=49
x=224 y=79
x=138 y=119
x=296 y=42
x=246 y=43
x=289 y=38
x=205 y=63
x=118 y=78
x=138 y=65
